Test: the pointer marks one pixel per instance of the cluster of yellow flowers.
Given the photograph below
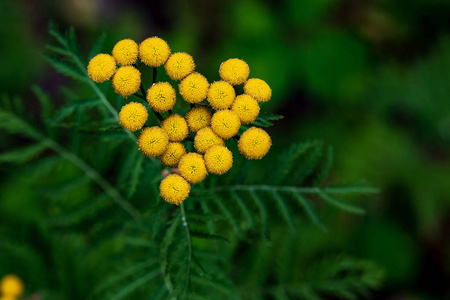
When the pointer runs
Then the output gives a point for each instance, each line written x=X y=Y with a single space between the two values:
x=216 y=113
x=11 y=287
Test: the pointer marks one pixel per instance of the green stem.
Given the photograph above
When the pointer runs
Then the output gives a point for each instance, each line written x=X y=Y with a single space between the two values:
x=188 y=239
x=302 y=190
x=155 y=74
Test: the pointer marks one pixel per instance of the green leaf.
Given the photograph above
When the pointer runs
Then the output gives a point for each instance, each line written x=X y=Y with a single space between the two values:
x=13 y=124
x=207 y=236
x=70 y=108
x=135 y=176
x=46 y=105
x=229 y=215
x=97 y=46
x=23 y=155
x=309 y=210
x=124 y=291
x=263 y=212
x=266 y=120
x=325 y=169
x=66 y=69
x=341 y=205
x=244 y=208
x=284 y=210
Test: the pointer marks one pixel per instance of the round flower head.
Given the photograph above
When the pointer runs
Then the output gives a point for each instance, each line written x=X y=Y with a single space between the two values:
x=153 y=141
x=176 y=127
x=246 y=107
x=192 y=167
x=225 y=123
x=198 y=118
x=133 y=116
x=161 y=96
x=173 y=154
x=218 y=159
x=174 y=189
x=154 y=52
x=101 y=67
x=254 y=143
x=194 y=88
x=126 y=52
x=206 y=138
x=11 y=286
x=220 y=95
x=235 y=71
x=126 y=81
x=179 y=65
x=258 y=89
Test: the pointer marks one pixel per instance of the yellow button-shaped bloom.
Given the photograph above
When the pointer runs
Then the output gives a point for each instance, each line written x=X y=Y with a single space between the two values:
x=173 y=154
x=11 y=286
x=235 y=71
x=154 y=52
x=198 y=118
x=126 y=81
x=258 y=89
x=218 y=159
x=192 y=167
x=126 y=52
x=161 y=96
x=176 y=127
x=206 y=138
x=254 y=143
x=179 y=65
x=221 y=95
x=153 y=141
x=194 y=88
x=174 y=189
x=225 y=123
x=246 y=107
x=133 y=116
x=101 y=67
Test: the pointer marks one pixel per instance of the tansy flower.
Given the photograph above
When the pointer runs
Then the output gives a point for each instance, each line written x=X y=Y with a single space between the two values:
x=258 y=89
x=206 y=138
x=133 y=116
x=161 y=96
x=246 y=107
x=254 y=143
x=176 y=127
x=220 y=95
x=225 y=123
x=126 y=81
x=154 y=52
x=179 y=65
x=192 y=167
x=174 y=189
x=173 y=154
x=198 y=118
x=126 y=52
x=153 y=141
x=11 y=286
x=235 y=71
x=194 y=88
x=101 y=67
x=218 y=159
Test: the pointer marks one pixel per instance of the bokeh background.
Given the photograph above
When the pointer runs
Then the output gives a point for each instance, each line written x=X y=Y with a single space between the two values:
x=371 y=78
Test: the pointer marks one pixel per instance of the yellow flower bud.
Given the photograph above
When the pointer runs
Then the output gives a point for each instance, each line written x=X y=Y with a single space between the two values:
x=258 y=89
x=246 y=107
x=254 y=143
x=153 y=141
x=176 y=127
x=101 y=67
x=154 y=52
x=198 y=118
x=161 y=96
x=218 y=159
x=221 y=95
x=125 y=52
x=206 y=138
x=174 y=189
x=11 y=286
x=192 y=167
x=133 y=116
x=234 y=71
x=179 y=65
x=126 y=81
x=172 y=155
x=225 y=123
x=194 y=88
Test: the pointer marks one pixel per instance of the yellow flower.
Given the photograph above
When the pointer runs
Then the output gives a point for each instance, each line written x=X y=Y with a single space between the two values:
x=206 y=138
x=153 y=141
x=246 y=107
x=133 y=116
x=126 y=52
x=192 y=167
x=174 y=189
x=198 y=118
x=218 y=159
x=254 y=143
x=179 y=65
x=220 y=95
x=258 y=89
x=225 y=123
x=194 y=88
x=176 y=127
x=161 y=96
x=235 y=71
x=126 y=81
x=101 y=67
x=154 y=52
x=11 y=286
x=173 y=154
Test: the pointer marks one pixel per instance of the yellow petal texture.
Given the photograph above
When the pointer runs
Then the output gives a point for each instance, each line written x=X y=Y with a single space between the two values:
x=154 y=52
x=179 y=65
x=101 y=67
x=254 y=143
x=206 y=138
x=246 y=107
x=218 y=159
x=192 y=167
x=225 y=123
x=11 y=286
x=133 y=116
x=258 y=89
x=126 y=81
x=126 y=52
x=153 y=141
x=234 y=71
x=198 y=118
x=221 y=95
x=176 y=127
x=194 y=88
x=174 y=189
x=171 y=157
x=161 y=96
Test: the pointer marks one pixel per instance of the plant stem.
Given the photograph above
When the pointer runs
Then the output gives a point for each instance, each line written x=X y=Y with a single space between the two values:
x=188 y=240
x=155 y=73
